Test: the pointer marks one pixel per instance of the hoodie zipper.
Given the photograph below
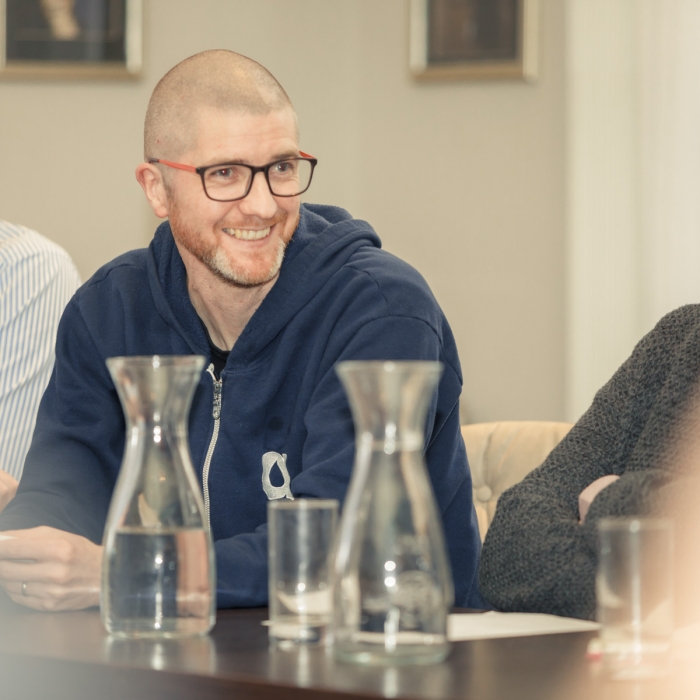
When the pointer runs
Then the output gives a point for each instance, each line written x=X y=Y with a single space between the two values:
x=216 y=413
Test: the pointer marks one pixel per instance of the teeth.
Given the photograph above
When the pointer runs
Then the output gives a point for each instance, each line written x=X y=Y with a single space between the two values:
x=247 y=234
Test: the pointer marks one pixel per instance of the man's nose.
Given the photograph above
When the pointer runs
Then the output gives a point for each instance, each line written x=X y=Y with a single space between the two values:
x=259 y=201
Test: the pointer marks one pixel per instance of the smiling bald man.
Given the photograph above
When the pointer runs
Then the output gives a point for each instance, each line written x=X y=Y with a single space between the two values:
x=273 y=293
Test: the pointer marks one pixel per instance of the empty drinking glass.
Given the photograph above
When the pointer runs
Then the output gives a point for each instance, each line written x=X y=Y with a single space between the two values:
x=634 y=590
x=301 y=534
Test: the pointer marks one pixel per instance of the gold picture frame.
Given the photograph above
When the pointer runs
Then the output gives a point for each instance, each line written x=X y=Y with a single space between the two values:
x=474 y=39
x=71 y=39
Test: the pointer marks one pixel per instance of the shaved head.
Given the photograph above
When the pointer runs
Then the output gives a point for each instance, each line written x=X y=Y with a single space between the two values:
x=220 y=79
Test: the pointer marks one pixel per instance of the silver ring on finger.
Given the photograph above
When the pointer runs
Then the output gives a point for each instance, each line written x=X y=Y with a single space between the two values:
x=24 y=589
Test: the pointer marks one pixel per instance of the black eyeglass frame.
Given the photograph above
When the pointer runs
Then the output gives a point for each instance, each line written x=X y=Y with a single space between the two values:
x=254 y=169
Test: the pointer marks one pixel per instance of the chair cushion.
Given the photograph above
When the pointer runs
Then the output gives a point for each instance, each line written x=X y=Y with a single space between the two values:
x=502 y=453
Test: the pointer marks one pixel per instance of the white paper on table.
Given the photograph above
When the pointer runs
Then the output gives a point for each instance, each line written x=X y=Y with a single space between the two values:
x=491 y=625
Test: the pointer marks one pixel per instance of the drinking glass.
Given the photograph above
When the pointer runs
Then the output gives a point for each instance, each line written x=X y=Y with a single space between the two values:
x=301 y=534
x=634 y=589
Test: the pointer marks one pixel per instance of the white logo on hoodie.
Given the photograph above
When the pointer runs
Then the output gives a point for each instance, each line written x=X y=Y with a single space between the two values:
x=269 y=459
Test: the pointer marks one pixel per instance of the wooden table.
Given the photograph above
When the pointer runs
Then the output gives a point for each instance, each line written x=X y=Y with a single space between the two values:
x=57 y=656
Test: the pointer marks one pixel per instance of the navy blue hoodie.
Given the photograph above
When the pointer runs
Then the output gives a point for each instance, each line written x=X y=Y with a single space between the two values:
x=338 y=297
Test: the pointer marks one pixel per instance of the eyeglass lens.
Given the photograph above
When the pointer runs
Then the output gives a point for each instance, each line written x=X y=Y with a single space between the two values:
x=287 y=178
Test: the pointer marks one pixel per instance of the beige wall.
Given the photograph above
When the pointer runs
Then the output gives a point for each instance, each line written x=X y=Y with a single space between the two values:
x=463 y=180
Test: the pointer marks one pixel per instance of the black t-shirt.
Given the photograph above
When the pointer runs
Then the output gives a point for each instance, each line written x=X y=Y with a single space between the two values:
x=219 y=357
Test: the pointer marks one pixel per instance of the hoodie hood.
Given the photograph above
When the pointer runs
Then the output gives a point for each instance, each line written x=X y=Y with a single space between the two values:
x=324 y=240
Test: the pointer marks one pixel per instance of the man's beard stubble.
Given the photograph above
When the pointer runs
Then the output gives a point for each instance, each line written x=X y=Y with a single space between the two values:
x=217 y=261
x=220 y=265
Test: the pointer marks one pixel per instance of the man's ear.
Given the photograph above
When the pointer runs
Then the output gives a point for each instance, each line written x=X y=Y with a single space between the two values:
x=151 y=179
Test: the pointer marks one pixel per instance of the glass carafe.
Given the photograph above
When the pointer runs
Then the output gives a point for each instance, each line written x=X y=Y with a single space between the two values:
x=158 y=571
x=393 y=583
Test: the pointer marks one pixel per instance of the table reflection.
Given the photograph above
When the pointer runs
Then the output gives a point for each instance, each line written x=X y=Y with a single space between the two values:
x=190 y=654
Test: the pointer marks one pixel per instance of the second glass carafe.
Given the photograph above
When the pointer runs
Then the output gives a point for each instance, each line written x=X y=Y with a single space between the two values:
x=393 y=584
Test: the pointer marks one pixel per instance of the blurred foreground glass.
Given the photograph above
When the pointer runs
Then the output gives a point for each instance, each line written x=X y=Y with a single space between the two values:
x=634 y=590
x=158 y=572
x=393 y=584
x=301 y=534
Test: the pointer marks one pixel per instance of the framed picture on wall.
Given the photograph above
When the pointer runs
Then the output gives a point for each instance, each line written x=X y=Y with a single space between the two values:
x=474 y=39
x=70 y=38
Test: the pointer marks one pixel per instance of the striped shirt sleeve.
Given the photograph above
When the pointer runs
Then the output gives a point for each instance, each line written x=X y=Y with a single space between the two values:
x=37 y=279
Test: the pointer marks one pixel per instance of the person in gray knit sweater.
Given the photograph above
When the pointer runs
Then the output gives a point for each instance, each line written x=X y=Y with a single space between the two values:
x=642 y=427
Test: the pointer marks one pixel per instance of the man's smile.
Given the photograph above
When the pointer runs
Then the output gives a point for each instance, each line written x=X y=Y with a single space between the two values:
x=247 y=234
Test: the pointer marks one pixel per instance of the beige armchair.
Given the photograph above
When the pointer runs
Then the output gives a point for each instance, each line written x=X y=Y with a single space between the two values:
x=501 y=454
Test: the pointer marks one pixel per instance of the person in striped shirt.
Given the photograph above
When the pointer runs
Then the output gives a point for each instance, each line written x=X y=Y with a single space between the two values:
x=37 y=279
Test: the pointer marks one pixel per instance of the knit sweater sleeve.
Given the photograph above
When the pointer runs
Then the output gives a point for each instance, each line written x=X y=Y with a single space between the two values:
x=537 y=557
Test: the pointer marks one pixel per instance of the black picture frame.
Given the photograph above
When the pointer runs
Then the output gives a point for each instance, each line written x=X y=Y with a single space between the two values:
x=478 y=39
x=71 y=38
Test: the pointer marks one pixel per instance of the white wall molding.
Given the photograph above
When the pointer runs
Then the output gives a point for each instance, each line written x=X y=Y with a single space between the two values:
x=668 y=84
x=633 y=157
x=602 y=241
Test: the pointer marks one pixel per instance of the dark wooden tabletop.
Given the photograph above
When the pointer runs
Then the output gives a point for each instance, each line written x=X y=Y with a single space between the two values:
x=57 y=656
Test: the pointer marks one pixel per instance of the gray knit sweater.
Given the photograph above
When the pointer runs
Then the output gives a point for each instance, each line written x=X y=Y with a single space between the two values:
x=643 y=426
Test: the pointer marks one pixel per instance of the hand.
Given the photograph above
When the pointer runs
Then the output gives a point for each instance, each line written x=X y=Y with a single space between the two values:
x=590 y=492
x=59 y=570
x=8 y=489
